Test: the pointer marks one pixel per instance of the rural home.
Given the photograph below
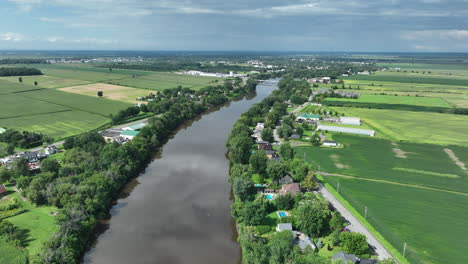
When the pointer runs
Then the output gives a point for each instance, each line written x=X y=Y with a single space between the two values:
x=292 y=188
x=329 y=143
x=29 y=156
x=350 y=120
x=270 y=153
x=129 y=134
x=303 y=241
x=110 y=135
x=284 y=227
x=274 y=157
x=348 y=130
x=342 y=257
x=3 y=190
x=286 y=179
x=52 y=149
x=295 y=136
x=265 y=145
x=2 y=130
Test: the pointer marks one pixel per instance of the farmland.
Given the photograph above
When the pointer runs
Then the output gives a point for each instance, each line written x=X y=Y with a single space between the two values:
x=395 y=181
x=407 y=78
x=113 y=92
x=389 y=99
x=421 y=127
x=45 y=81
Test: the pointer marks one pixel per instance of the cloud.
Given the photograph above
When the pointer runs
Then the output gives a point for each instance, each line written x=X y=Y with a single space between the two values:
x=9 y=36
x=55 y=39
x=52 y=19
x=425 y=35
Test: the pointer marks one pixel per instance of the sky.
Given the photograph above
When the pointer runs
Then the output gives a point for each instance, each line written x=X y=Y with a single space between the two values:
x=253 y=25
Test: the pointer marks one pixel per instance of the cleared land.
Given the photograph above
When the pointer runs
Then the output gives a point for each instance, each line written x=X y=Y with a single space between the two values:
x=113 y=92
x=417 y=198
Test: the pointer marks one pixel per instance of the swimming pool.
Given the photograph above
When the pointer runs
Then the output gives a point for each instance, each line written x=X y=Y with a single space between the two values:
x=269 y=196
x=282 y=214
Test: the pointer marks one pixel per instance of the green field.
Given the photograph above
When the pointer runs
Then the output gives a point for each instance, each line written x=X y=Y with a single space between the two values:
x=389 y=99
x=166 y=80
x=421 y=127
x=406 y=191
x=45 y=81
x=11 y=255
x=428 y=221
x=7 y=87
x=408 y=78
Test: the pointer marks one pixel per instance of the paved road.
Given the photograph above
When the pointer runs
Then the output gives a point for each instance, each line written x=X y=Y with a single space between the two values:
x=355 y=225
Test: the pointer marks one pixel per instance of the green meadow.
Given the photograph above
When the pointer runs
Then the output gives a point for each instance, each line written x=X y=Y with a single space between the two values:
x=407 y=78
x=45 y=81
x=391 y=99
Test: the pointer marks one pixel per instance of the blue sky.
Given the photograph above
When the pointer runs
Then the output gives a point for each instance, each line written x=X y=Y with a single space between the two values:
x=265 y=25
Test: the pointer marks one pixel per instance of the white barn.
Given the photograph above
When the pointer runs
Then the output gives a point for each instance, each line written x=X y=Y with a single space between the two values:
x=350 y=120
x=348 y=130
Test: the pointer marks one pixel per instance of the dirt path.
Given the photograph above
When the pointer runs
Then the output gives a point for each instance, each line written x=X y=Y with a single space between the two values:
x=390 y=182
x=455 y=159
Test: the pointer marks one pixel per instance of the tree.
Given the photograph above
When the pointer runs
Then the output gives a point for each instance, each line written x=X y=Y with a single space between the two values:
x=110 y=69
x=337 y=221
x=315 y=140
x=299 y=131
x=10 y=149
x=35 y=83
x=258 y=162
x=20 y=79
x=281 y=247
x=100 y=93
x=310 y=182
x=313 y=217
x=5 y=174
x=50 y=165
x=267 y=135
x=286 y=151
x=276 y=170
x=253 y=213
x=144 y=108
x=354 y=243
x=284 y=202
x=243 y=189
x=239 y=149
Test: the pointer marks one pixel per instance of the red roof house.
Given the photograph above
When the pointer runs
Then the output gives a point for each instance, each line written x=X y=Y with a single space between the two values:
x=2 y=190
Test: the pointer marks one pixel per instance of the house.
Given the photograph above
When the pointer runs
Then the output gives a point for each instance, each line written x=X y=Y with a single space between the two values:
x=3 y=190
x=52 y=149
x=265 y=145
x=292 y=188
x=129 y=134
x=270 y=153
x=345 y=258
x=28 y=156
x=329 y=143
x=135 y=127
x=2 y=130
x=350 y=120
x=284 y=227
x=269 y=190
x=295 y=136
x=286 y=179
x=303 y=241
x=274 y=157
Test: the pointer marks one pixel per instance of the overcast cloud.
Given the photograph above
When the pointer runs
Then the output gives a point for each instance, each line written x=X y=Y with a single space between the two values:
x=294 y=25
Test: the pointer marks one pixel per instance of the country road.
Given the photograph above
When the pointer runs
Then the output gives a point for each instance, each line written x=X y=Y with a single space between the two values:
x=355 y=225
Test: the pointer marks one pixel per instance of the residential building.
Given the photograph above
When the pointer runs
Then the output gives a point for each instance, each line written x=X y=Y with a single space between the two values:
x=52 y=149
x=265 y=145
x=286 y=179
x=284 y=227
x=110 y=135
x=345 y=258
x=3 y=190
x=292 y=188
x=2 y=130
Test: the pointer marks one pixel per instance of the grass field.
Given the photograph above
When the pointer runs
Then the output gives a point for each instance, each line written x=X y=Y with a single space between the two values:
x=11 y=255
x=7 y=87
x=389 y=99
x=421 y=127
x=45 y=81
x=113 y=92
x=412 y=78
x=406 y=187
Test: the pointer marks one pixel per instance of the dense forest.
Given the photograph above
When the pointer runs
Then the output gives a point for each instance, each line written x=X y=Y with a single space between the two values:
x=92 y=172
x=19 y=71
x=23 y=61
x=181 y=66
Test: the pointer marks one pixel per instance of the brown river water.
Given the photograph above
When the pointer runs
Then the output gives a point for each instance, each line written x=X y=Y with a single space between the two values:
x=178 y=209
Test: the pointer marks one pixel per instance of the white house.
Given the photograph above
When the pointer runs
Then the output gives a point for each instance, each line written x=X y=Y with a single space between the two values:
x=345 y=120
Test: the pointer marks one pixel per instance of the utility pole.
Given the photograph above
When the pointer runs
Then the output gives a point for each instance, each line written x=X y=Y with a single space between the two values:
x=338 y=188
x=404 y=249
x=365 y=212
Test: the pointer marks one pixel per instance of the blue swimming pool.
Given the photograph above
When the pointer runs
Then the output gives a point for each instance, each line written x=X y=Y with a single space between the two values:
x=269 y=197
x=282 y=214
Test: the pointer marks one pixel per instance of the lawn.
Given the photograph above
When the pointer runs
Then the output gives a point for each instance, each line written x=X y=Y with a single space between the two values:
x=391 y=99
x=428 y=221
x=406 y=163
x=421 y=127
x=113 y=92
x=45 y=81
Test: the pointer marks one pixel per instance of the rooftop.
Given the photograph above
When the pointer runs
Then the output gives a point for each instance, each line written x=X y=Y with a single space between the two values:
x=2 y=189
x=310 y=116
x=131 y=133
x=135 y=127
x=284 y=226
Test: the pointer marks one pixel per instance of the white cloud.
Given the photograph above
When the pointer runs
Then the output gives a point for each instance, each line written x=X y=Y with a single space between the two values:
x=9 y=36
x=425 y=35
x=55 y=39
x=52 y=19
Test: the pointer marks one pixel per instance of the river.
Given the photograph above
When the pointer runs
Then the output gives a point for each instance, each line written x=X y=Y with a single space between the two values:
x=178 y=209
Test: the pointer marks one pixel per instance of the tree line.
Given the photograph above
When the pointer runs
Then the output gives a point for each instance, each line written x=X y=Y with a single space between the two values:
x=23 y=61
x=19 y=71
x=24 y=139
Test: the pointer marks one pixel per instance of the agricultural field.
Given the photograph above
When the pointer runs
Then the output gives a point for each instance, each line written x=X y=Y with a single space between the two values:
x=7 y=87
x=45 y=81
x=391 y=99
x=110 y=91
x=421 y=127
x=406 y=187
x=412 y=78
x=165 y=80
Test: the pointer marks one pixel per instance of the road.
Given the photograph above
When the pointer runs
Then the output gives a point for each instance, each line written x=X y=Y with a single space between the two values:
x=355 y=225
